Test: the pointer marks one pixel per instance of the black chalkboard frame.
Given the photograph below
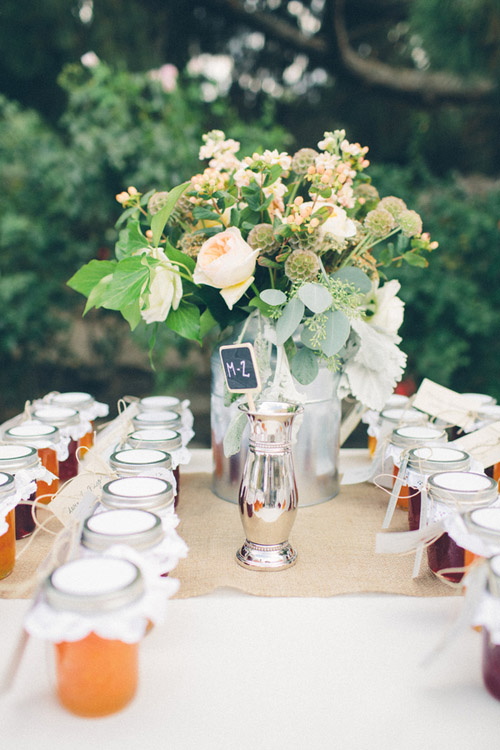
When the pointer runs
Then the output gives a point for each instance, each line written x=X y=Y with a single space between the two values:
x=252 y=359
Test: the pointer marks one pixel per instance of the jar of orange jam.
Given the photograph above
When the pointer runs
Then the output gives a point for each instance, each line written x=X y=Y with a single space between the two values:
x=44 y=438
x=142 y=492
x=88 y=408
x=90 y=609
x=143 y=531
x=165 y=440
x=15 y=459
x=7 y=524
x=70 y=424
x=455 y=492
x=424 y=461
x=402 y=440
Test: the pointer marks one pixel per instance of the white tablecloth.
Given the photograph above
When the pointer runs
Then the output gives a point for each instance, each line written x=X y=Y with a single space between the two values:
x=230 y=672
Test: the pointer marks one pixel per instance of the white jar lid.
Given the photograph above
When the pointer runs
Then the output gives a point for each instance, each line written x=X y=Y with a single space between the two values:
x=139 y=460
x=435 y=458
x=485 y=521
x=159 y=418
x=136 y=528
x=143 y=492
x=405 y=416
x=72 y=399
x=415 y=434
x=33 y=430
x=464 y=489
x=60 y=416
x=397 y=400
x=15 y=457
x=160 y=438
x=160 y=403
x=94 y=584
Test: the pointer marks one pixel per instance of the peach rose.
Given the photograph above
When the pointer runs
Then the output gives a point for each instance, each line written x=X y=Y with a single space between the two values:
x=226 y=262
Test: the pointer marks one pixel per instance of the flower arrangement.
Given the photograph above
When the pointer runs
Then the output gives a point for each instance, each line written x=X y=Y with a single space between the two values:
x=299 y=241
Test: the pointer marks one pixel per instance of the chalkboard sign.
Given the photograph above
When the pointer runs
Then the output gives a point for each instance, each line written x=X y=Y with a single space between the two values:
x=240 y=368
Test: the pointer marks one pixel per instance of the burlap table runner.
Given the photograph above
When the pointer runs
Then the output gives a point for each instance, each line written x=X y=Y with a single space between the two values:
x=335 y=543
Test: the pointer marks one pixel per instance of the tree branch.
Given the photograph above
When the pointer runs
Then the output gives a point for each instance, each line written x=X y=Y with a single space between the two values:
x=423 y=84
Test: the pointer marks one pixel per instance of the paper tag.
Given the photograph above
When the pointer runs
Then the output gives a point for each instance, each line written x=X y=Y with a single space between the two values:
x=483 y=445
x=445 y=404
x=76 y=498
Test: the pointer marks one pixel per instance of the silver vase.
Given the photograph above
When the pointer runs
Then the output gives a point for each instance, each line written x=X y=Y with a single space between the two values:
x=268 y=497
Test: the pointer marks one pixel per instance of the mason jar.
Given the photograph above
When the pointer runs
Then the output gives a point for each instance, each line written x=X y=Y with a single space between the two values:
x=129 y=462
x=69 y=423
x=403 y=439
x=84 y=403
x=43 y=437
x=424 y=461
x=13 y=459
x=96 y=675
x=483 y=526
x=491 y=631
x=164 y=440
x=141 y=492
x=139 y=529
x=372 y=419
x=457 y=491
x=7 y=524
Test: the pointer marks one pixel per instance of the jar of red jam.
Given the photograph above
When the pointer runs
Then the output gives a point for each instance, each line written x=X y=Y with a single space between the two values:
x=403 y=439
x=164 y=440
x=88 y=408
x=45 y=438
x=459 y=492
x=15 y=459
x=424 y=461
x=7 y=524
x=141 y=492
x=159 y=545
x=91 y=611
x=160 y=403
x=490 y=620
x=69 y=423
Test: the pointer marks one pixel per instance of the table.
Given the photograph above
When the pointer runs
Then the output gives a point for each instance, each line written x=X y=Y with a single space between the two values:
x=231 y=671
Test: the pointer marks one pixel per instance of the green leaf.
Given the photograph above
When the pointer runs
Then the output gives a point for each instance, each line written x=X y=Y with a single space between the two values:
x=316 y=297
x=125 y=285
x=205 y=214
x=185 y=321
x=305 y=366
x=338 y=328
x=160 y=219
x=287 y=324
x=415 y=260
x=273 y=297
x=267 y=262
x=125 y=215
x=354 y=276
x=386 y=254
x=132 y=313
x=130 y=239
x=99 y=293
x=274 y=172
x=176 y=256
x=88 y=276
x=265 y=309
x=207 y=322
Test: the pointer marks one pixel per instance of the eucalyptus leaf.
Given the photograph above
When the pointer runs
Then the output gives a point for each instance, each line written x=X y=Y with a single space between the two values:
x=234 y=433
x=338 y=328
x=160 y=219
x=305 y=366
x=356 y=277
x=273 y=297
x=306 y=337
x=316 y=297
x=287 y=324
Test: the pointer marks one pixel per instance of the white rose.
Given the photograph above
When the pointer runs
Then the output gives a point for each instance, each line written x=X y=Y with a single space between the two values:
x=226 y=262
x=388 y=309
x=165 y=291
